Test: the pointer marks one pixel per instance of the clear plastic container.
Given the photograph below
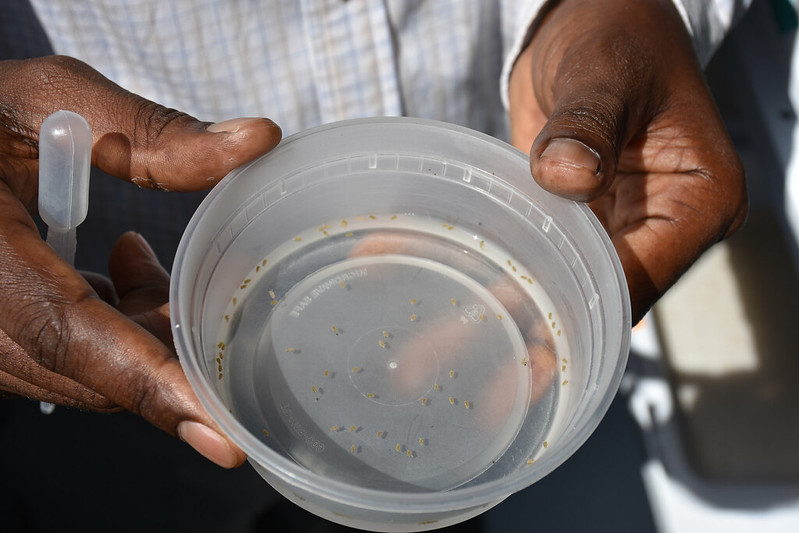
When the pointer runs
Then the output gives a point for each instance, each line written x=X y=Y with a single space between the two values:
x=396 y=324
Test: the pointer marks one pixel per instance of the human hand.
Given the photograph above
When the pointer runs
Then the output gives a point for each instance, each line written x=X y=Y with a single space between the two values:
x=609 y=100
x=59 y=341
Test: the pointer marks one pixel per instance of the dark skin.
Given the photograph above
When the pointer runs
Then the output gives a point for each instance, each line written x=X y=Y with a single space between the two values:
x=607 y=116
x=611 y=104
x=59 y=340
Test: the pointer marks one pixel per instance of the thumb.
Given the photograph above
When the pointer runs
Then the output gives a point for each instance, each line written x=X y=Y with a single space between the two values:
x=133 y=138
x=598 y=88
x=570 y=168
x=174 y=151
x=576 y=153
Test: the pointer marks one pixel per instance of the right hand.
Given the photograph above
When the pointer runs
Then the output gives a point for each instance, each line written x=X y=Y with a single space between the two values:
x=609 y=100
x=59 y=342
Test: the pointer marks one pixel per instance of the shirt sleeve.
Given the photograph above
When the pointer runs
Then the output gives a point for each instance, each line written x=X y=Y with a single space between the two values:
x=517 y=21
x=707 y=21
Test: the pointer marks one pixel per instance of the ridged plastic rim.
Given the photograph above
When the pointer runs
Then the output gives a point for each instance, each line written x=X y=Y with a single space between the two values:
x=351 y=495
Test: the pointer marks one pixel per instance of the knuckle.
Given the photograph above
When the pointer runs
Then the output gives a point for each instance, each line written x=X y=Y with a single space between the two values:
x=140 y=397
x=41 y=322
x=143 y=395
x=152 y=150
x=597 y=118
x=48 y=335
x=149 y=122
x=57 y=78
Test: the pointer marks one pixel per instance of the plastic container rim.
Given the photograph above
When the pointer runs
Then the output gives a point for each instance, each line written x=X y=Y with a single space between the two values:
x=380 y=500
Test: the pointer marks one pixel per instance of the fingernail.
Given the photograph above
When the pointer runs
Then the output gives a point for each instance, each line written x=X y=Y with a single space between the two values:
x=207 y=443
x=144 y=244
x=572 y=153
x=232 y=125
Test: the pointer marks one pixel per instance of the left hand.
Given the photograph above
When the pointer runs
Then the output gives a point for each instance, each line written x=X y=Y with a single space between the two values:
x=59 y=342
x=610 y=101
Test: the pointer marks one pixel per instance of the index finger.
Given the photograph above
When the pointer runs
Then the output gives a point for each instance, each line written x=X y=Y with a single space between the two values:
x=52 y=313
x=133 y=138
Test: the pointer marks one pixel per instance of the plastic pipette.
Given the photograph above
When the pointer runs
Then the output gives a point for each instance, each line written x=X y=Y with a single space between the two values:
x=65 y=147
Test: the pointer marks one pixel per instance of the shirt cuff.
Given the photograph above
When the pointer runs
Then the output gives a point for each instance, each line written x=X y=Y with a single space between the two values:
x=707 y=22
x=521 y=22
